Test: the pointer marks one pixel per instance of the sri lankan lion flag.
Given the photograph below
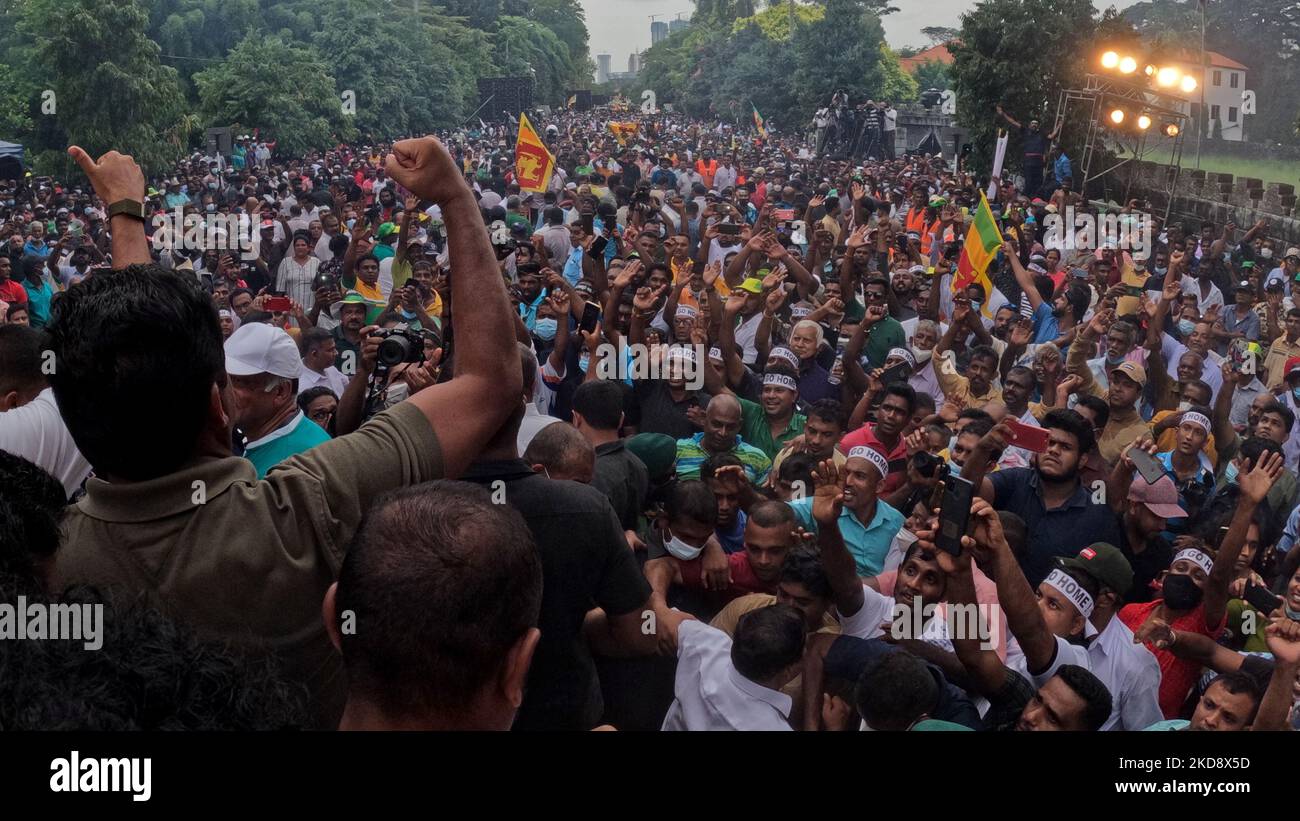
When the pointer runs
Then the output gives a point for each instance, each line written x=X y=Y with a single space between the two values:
x=983 y=241
x=533 y=163
x=758 y=122
x=623 y=130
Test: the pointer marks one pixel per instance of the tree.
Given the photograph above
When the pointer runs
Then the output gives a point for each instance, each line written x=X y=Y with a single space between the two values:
x=840 y=51
x=285 y=89
x=938 y=35
x=1021 y=54
x=895 y=84
x=402 y=81
x=933 y=74
x=568 y=21
x=110 y=91
x=522 y=47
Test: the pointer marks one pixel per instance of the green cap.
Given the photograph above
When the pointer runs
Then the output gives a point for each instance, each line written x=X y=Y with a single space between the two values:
x=1105 y=563
x=753 y=285
x=658 y=451
x=386 y=229
x=354 y=298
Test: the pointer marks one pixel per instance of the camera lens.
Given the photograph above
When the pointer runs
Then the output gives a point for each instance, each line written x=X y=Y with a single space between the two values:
x=394 y=350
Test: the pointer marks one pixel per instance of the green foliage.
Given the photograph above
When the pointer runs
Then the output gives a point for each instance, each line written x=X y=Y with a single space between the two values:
x=520 y=45
x=932 y=74
x=110 y=89
x=284 y=89
x=1021 y=53
x=896 y=84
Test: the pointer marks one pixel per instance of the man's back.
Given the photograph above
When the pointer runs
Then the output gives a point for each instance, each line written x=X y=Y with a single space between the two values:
x=586 y=563
x=248 y=561
x=623 y=478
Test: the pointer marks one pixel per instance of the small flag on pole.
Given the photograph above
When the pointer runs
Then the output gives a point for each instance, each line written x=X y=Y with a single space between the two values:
x=982 y=243
x=758 y=121
x=572 y=101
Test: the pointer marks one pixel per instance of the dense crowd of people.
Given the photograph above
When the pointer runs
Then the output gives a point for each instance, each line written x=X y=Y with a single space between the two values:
x=676 y=443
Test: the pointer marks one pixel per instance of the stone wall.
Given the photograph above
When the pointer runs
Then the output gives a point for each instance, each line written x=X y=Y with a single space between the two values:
x=1201 y=196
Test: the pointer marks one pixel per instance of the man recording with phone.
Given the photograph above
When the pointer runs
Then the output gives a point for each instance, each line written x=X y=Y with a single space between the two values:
x=1058 y=510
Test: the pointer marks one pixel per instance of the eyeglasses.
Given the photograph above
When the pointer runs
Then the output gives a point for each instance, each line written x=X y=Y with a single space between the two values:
x=875 y=295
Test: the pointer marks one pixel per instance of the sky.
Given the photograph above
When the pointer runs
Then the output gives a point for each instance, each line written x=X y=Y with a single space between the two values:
x=619 y=27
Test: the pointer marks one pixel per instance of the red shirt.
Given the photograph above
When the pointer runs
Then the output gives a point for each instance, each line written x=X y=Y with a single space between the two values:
x=866 y=435
x=1176 y=675
x=13 y=292
x=743 y=580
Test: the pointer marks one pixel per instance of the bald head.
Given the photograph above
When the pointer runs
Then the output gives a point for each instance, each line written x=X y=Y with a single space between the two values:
x=721 y=423
x=561 y=452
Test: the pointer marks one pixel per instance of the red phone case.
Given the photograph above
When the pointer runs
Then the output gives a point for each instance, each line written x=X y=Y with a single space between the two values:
x=1027 y=436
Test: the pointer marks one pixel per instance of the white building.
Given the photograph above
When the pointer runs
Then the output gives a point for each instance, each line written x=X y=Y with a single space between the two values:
x=1223 y=81
x=603 y=67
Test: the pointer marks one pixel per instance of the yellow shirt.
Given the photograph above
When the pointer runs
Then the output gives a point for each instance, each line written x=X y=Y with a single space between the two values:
x=1278 y=353
x=956 y=388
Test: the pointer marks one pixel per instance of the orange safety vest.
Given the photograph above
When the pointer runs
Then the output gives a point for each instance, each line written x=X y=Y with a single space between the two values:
x=707 y=171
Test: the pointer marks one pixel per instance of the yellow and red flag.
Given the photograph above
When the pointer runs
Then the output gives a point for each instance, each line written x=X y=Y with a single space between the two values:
x=534 y=164
x=982 y=244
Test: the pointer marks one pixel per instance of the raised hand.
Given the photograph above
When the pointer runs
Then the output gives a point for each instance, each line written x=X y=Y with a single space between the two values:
x=712 y=272
x=645 y=298
x=1156 y=631
x=1256 y=483
x=424 y=167
x=1021 y=333
x=828 y=499
x=114 y=176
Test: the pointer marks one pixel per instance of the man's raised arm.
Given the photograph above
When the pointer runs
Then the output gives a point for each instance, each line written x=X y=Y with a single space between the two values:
x=487 y=374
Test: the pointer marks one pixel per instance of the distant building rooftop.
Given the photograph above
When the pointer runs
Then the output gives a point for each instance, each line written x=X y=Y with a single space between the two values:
x=937 y=53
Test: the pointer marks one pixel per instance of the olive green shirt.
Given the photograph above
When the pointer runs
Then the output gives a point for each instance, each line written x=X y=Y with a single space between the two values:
x=247 y=561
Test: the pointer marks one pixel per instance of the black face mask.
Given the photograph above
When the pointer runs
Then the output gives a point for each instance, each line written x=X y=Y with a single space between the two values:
x=1180 y=591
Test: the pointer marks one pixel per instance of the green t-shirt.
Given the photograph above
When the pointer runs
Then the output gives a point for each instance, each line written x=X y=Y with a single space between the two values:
x=299 y=435
x=885 y=334
x=755 y=430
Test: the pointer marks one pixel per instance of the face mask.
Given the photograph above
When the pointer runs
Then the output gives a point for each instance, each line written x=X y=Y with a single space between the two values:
x=1266 y=253
x=1186 y=326
x=921 y=356
x=211 y=208
x=584 y=361
x=679 y=549
x=1180 y=591
x=1184 y=406
x=975 y=306
x=408 y=314
x=1113 y=360
x=1162 y=271
x=545 y=329
x=212 y=186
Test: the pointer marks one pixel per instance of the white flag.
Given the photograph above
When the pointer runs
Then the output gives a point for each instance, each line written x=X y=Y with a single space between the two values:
x=999 y=155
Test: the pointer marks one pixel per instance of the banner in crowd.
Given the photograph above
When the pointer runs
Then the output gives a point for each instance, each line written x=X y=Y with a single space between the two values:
x=758 y=122
x=623 y=130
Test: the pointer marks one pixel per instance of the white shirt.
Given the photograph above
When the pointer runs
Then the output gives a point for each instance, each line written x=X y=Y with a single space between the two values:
x=1066 y=653
x=531 y=425
x=712 y=695
x=746 y=334
x=724 y=178
x=36 y=432
x=332 y=378
x=1211 y=370
x=1192 y=286
x=877 y=609
x=322 y=250
x=1131 y=674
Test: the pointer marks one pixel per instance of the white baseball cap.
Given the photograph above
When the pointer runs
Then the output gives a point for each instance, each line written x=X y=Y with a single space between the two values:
x=260 y=348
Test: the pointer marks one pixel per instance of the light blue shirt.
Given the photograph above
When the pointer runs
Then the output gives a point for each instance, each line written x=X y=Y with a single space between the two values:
x=869 y=544
x=573 y=266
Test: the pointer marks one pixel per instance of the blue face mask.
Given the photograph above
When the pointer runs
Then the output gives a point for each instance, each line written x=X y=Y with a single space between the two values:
x=1113 y=360
x=408 y=314
x=545 y=329
x=1295 y=393
x=1186 y=326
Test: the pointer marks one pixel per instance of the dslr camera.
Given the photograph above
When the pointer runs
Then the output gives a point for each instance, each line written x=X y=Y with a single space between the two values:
x=400 y=344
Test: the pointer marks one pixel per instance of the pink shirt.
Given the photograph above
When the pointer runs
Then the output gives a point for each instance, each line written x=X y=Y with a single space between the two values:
x=986 y=594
